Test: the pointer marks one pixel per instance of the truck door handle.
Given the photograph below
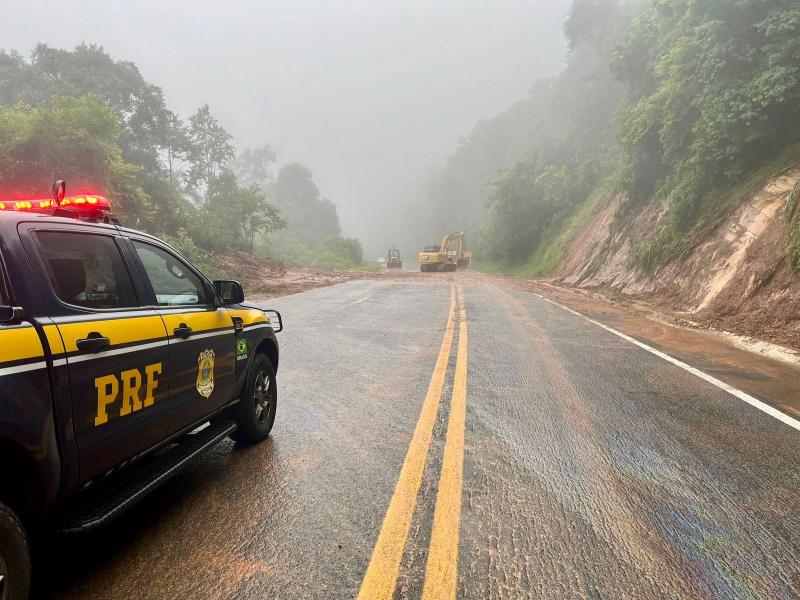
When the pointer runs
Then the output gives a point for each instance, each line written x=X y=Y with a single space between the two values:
x=94 y=342
x=182 y=331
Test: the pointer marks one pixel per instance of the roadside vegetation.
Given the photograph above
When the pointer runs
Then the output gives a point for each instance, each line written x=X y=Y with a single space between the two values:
x=677 y=101
x=97 y=123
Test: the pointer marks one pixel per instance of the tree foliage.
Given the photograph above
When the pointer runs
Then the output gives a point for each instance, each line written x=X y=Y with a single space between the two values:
x=209 y=148
x=713 y=92
x=96 y=122
x=310 y=216
x=678 y=99
x=68 y=137
x=574 y=145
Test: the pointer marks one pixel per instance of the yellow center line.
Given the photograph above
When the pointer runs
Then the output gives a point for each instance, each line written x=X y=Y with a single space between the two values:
x=441 y=573
x=381 y=576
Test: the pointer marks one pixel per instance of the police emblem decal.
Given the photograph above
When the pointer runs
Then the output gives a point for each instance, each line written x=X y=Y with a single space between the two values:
x=205 y=373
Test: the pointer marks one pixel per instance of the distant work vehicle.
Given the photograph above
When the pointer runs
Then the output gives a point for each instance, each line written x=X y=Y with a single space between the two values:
x=447 y=255
x=393 y=259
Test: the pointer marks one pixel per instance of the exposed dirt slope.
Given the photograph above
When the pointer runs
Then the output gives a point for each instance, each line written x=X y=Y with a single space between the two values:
x=737 y=280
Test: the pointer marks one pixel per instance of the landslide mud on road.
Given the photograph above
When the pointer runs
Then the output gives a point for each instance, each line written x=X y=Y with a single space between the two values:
x=591 y=468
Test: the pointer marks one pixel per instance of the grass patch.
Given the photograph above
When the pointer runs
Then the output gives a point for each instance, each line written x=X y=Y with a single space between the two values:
x=484 y=266
x=561 y=233
x=671 y=244
x=556 y=240
x=367 y=267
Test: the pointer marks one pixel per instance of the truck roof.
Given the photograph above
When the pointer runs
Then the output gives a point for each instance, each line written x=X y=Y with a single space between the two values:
x=11 y=219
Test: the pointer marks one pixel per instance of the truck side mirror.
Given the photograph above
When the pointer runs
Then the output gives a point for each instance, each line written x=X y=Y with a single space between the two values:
x=11 y=314
x=229 y=291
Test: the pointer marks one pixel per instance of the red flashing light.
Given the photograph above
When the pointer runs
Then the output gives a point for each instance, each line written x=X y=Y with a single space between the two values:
x=95 y=203
x=83 y=204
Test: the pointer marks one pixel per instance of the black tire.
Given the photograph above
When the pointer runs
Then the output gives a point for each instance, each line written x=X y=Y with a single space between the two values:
x=254 y=415
x=15 y=557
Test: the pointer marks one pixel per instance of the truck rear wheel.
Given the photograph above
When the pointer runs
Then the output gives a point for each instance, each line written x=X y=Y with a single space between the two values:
x=15 y=560
x=254 y=415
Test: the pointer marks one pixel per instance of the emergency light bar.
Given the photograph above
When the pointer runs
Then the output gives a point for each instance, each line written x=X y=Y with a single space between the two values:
x=82 y=204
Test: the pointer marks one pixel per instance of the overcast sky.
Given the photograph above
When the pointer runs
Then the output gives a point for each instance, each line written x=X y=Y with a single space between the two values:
x=369 y=94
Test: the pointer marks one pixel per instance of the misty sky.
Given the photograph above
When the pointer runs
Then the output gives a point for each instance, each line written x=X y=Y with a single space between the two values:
x=369 y=94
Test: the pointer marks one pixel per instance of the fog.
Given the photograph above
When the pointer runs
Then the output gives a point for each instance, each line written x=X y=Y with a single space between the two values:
x=369 y=95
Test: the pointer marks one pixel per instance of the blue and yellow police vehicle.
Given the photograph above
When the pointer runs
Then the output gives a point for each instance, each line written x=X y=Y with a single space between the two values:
x=119 y=362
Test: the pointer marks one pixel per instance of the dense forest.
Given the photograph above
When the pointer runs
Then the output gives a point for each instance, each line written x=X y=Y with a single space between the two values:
x=97 y=123
x=677 y=100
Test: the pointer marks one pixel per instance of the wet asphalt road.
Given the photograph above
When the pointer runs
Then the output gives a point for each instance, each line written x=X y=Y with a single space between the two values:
x=591 y=468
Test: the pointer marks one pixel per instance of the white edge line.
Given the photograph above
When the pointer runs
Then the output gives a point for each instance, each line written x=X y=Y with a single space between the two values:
x=754 y=402
x=195 y=336
x=362 y=300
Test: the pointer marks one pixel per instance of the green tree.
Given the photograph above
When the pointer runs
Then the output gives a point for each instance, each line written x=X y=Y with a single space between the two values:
x=151 y=137
x=73 y=138
x=209 y=148
x=310 y=216
x=254 y=166
x=232 y=216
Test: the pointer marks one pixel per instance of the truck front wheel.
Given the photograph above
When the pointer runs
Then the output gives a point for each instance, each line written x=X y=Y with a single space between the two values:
x=255 y=412
x=15 y=560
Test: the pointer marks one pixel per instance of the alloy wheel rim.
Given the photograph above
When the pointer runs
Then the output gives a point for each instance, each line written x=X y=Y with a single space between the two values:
x=262 y=396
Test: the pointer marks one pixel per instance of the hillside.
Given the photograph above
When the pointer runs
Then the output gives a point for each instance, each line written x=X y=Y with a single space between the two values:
x=661 y=166
x=737 y=277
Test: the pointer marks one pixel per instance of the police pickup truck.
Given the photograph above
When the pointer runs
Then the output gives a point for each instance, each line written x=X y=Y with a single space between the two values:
x=119 y=362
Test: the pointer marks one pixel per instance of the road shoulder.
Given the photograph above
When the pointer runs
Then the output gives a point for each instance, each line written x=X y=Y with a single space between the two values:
x=768 y=379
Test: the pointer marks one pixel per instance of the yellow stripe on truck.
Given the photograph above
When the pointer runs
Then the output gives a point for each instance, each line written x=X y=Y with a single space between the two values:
x=19 y=344
x=198 y=321
x=249 y=316
x=118 y=331
x=54 y=339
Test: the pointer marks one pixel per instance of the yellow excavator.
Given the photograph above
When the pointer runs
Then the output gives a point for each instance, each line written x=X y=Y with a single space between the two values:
x=447 y=255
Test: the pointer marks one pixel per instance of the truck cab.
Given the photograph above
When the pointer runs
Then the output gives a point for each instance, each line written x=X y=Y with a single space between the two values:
x=119 y=362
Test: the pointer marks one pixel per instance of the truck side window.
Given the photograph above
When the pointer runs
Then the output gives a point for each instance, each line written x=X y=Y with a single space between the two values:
x=174 y=284
x=86 y=270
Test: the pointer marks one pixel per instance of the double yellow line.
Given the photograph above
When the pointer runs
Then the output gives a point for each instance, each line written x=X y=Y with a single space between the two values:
x=441 y=572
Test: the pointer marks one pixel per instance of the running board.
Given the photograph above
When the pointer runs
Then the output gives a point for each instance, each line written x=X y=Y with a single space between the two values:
x=114 y=502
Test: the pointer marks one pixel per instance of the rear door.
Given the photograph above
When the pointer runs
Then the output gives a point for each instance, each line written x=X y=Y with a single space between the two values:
x=202 y=337
x=117 y=349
